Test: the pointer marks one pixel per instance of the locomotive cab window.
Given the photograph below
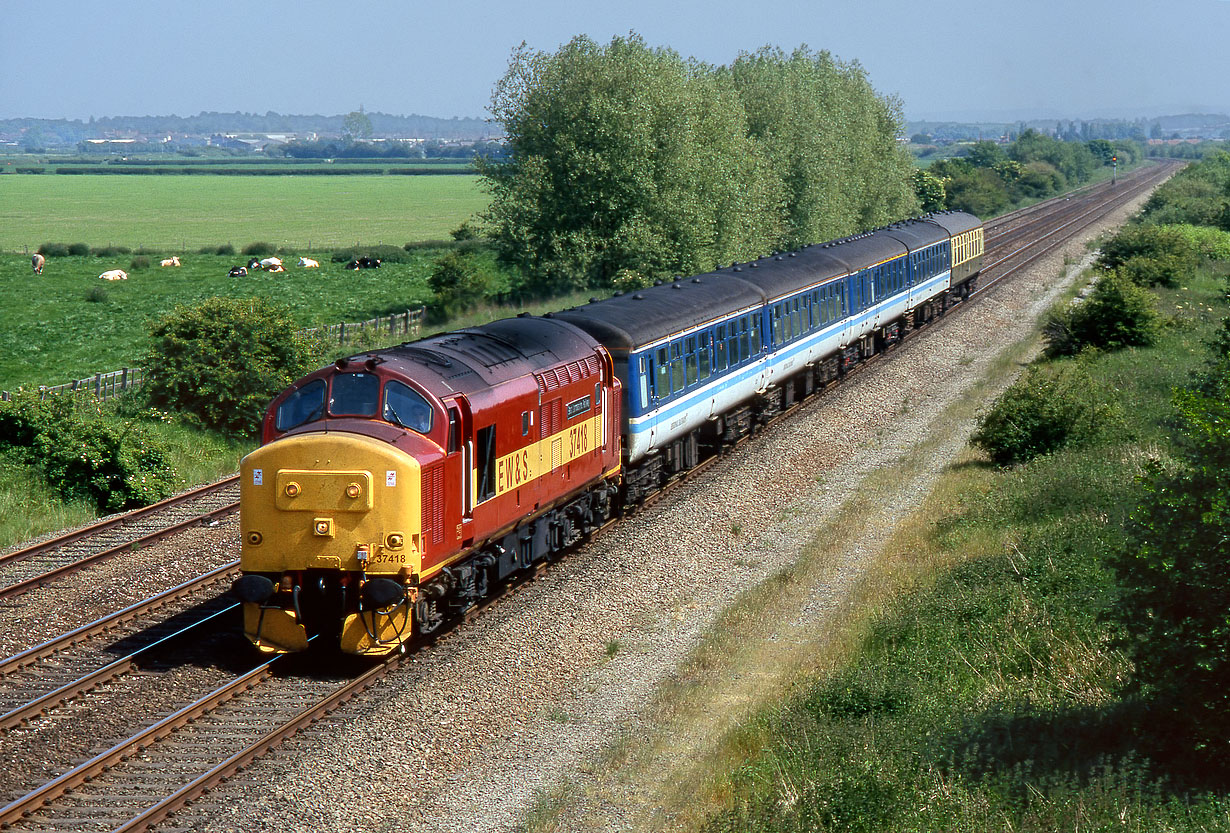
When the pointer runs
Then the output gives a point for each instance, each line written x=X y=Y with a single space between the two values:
x=485 y=449
x=304 y=405
x=354 y=394
x=405 y=406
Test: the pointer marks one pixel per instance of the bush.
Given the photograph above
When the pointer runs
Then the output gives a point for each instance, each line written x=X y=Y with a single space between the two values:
x=139 y=262
x=53 y=250
x=1175 y=578
x=96 y=295
x=1117 y=314
x=110 y=251
x=458 y=285
x=1046 y=409
x=260 y=249
x=1150 y=255
x=79 y=249
x=386 y=254
x=225 y=249
x=115 y=466
x=220 y=361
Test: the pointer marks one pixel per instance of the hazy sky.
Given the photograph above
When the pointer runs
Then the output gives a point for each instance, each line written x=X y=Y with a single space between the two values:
x=965 y=59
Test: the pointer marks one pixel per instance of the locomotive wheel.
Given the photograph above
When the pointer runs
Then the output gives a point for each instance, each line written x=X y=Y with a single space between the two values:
x=427 y=616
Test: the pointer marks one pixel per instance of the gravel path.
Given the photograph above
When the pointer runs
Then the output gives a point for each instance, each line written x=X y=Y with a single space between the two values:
x=471 y=733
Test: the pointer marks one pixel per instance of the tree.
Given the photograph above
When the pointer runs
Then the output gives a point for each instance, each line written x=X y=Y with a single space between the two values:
x=356 y=127
x=930 y=190
x=221 y=361
x=624 y=157
x=830 y=139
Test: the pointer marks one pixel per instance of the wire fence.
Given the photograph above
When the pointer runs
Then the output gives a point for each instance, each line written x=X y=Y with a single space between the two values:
x=113 y=383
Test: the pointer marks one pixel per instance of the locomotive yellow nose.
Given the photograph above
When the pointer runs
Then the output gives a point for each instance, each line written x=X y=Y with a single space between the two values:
x=311 y=499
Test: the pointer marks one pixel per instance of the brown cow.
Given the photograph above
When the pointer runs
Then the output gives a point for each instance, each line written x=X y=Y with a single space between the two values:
x=37 y=262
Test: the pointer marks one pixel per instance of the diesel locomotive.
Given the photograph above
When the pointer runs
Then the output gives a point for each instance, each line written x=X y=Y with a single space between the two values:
x=395 y=489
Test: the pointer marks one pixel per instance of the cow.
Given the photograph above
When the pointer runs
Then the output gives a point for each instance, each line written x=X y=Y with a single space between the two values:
x=308 y=263
x=276 y=267
x=369 y=263
x=170 y=261
x=353 y=264
x=114 y=275
x=237 y=272
x=268 y=263
x=37 y=262
x=254 y=264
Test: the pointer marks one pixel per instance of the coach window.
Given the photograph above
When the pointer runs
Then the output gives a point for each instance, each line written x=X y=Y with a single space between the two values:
x=304 y=405
x=642 y=379
x=795 y=325
x=355 y=394
x=676 y=366
x=405 y=406
x=702 y=355
x=690 y=360
x=754 y=332
x=775 y=323
x=719 y=349
x=662 y=377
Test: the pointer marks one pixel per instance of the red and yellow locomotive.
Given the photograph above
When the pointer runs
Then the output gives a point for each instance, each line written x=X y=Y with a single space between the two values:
x=394 y=487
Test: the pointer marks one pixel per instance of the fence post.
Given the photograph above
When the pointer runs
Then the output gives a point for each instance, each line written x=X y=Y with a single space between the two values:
x=98 y=385
x=342 y=337
x=124 y=380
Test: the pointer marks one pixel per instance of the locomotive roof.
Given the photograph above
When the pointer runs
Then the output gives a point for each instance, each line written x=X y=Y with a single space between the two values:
x=474 y=359
x=630 y=320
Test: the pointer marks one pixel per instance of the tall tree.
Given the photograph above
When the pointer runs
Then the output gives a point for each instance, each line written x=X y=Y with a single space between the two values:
x=624 y=157
x=356 y=127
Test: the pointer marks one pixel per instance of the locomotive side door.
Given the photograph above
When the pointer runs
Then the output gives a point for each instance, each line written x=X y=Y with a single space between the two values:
x=460 y=463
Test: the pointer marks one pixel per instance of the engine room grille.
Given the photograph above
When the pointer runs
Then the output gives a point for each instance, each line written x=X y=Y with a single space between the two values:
x=566 y=374
x=433 y=505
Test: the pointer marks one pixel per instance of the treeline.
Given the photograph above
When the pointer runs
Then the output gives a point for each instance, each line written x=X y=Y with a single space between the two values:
x=991 y=177
x=341 y=149
x=629 y=163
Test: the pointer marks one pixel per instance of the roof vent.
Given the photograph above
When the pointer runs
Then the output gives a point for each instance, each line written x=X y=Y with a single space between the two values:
x=779 y=257
x=792 y=254
x=594 y=300
x=638 y=297
x=738 y=268
x=523 y=315
x=676 y=286
x=547 y=315
x=657 y=283
x=754 y=264
x=695 y=280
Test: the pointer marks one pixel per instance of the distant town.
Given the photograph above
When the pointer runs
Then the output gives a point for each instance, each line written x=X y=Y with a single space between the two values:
x=275 y=134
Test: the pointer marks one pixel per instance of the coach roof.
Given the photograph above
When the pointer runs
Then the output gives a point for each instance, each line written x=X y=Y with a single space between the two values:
x=628 y=321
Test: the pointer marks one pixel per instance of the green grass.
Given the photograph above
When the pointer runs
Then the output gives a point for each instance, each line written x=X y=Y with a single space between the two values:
x=30 y=507
x=184 y=212
x=991 y=697
x=68 y=324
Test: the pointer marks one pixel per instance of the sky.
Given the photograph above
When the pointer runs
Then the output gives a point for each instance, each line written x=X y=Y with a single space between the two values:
x=959 y=60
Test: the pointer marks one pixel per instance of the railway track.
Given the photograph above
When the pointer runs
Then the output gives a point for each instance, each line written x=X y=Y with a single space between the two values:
x=32 y=566
x=143 y=780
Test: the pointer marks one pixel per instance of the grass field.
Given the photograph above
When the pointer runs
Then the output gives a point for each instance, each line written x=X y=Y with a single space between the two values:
x=68 y=324
x=183 y=213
